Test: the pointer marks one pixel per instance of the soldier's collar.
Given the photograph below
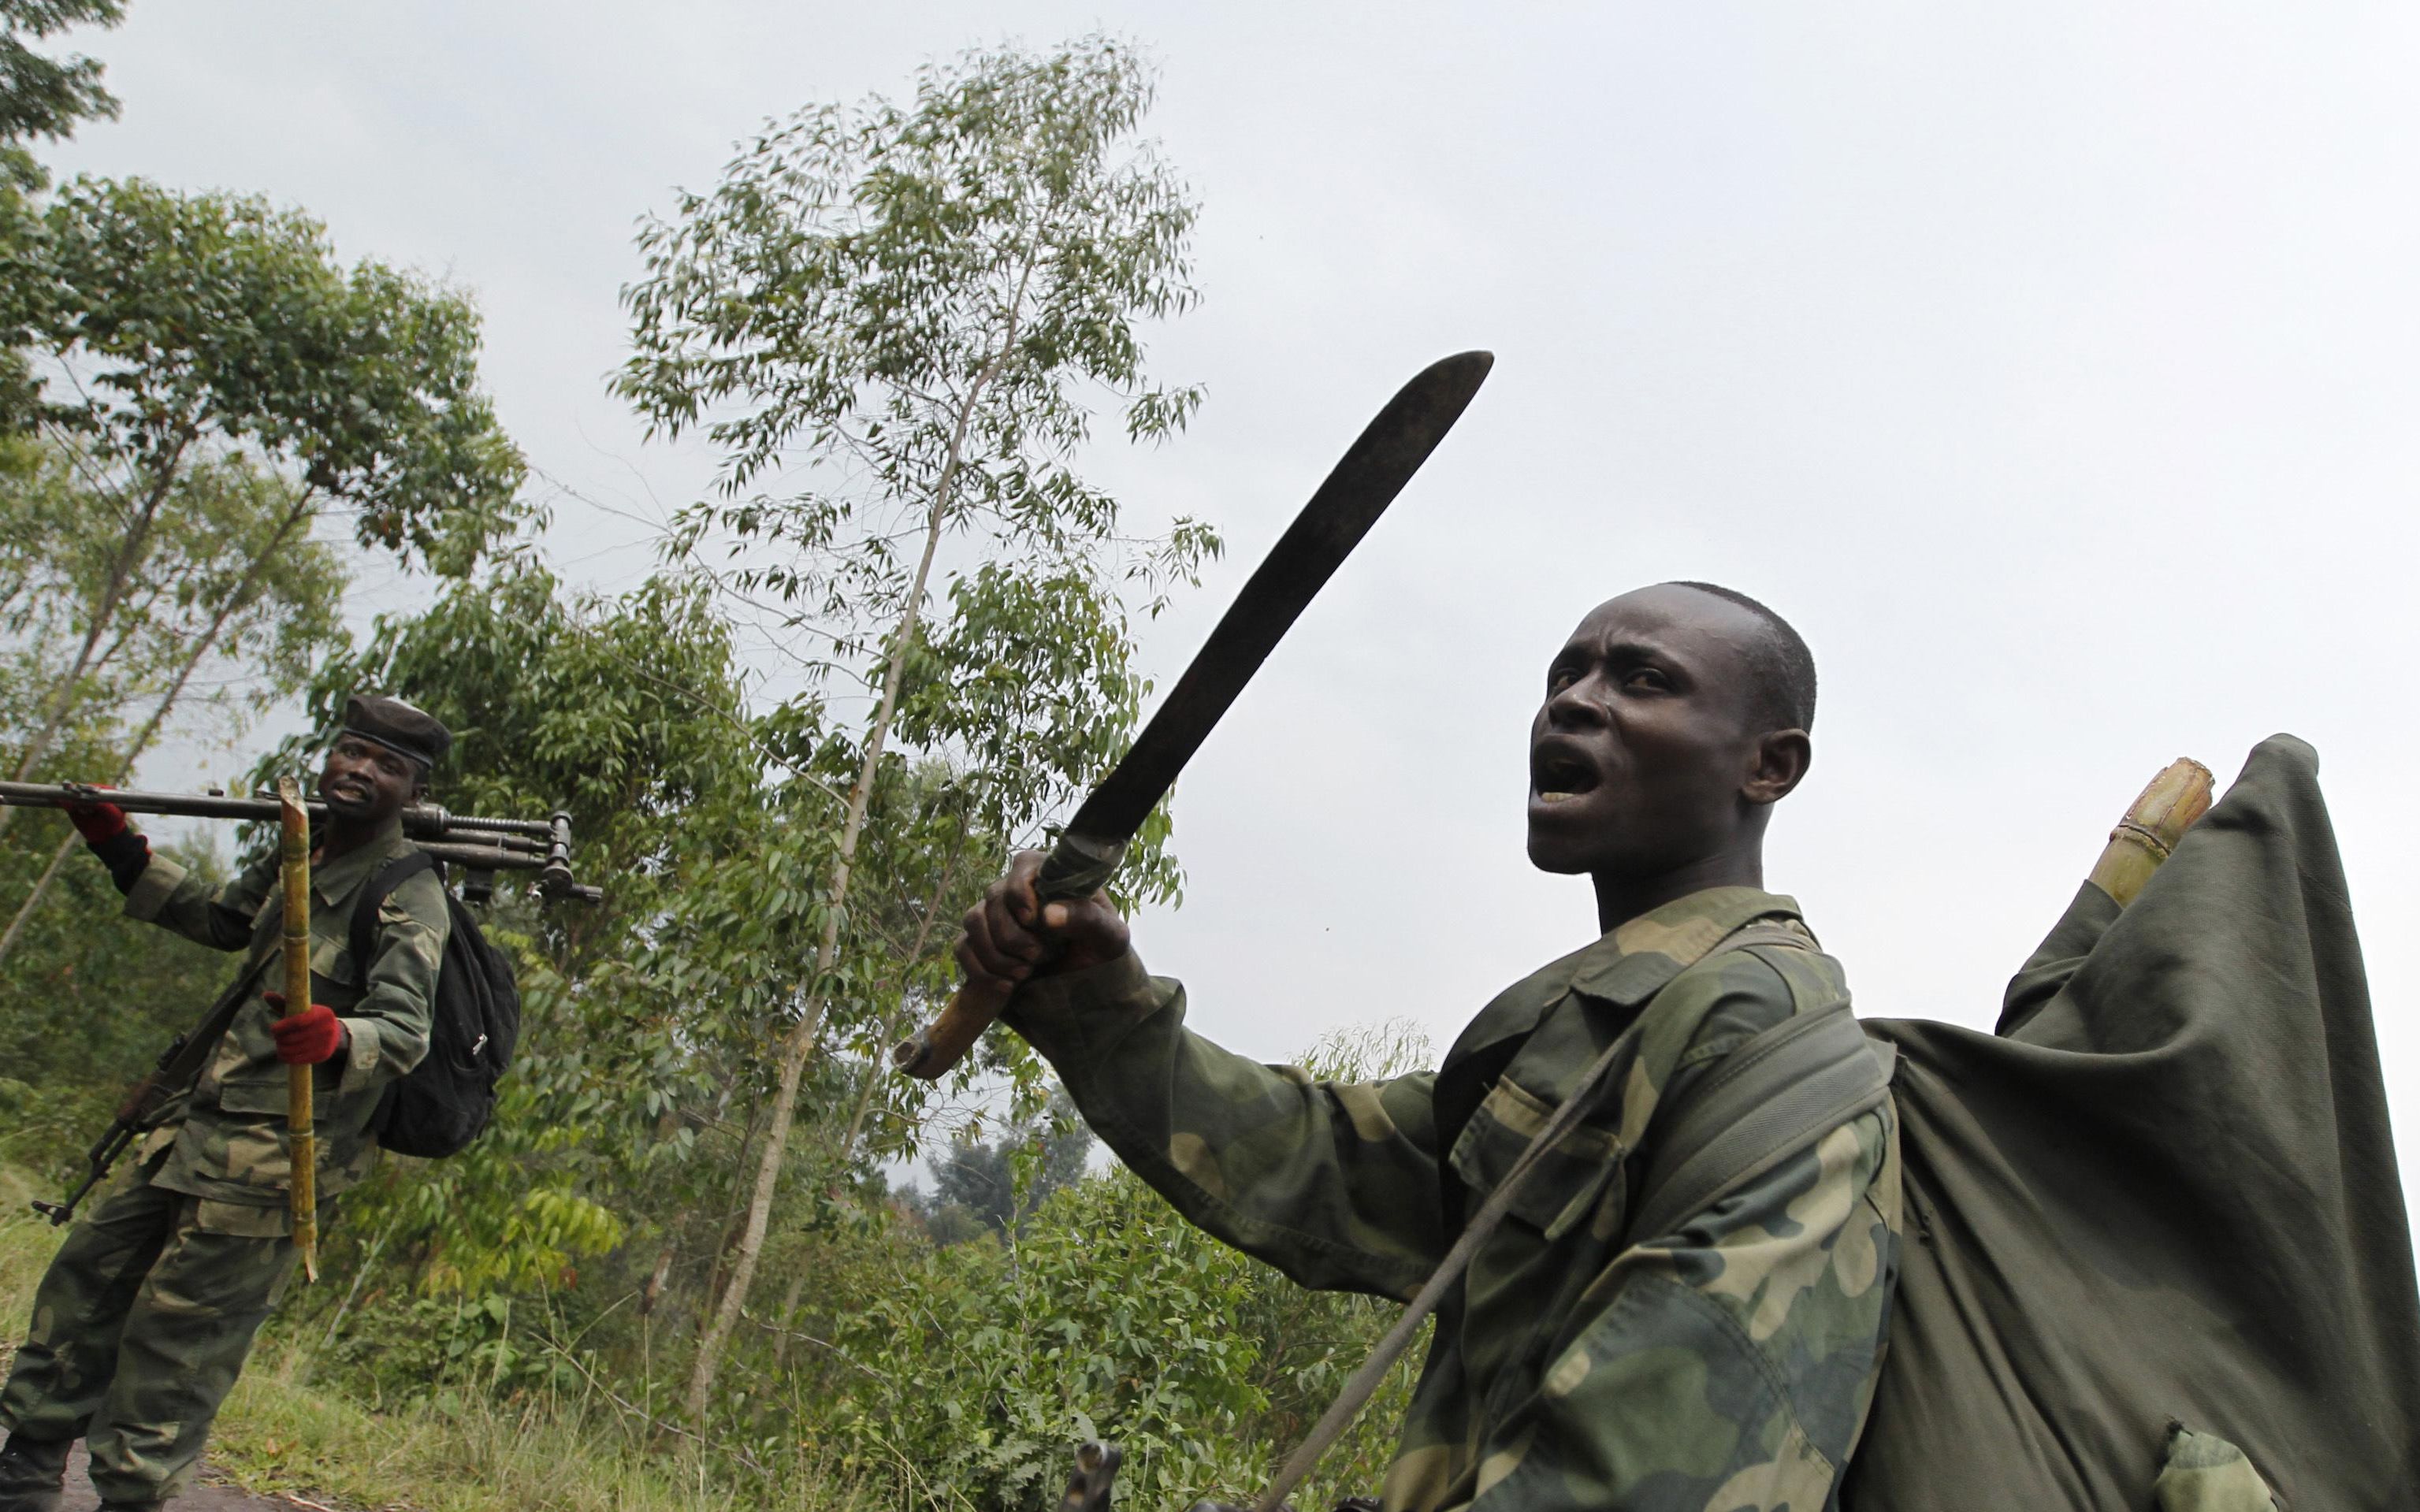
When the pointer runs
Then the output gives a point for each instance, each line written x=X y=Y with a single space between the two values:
x=1635 y=959
x=339 y=877
x=1628 y=965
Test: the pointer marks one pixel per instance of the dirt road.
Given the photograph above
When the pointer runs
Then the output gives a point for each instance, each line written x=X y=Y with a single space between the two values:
x=211 y=1494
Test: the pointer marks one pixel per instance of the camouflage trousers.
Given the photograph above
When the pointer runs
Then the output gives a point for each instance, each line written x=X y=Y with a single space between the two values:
x=140 y=1327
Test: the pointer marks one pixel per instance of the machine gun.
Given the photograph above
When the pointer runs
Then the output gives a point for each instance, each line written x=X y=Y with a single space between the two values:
x=481 y=847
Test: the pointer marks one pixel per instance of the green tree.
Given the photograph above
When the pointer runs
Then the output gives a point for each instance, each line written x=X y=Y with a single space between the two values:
x=170 y=342
x=1105 y=1315
x=893 y=320
x=44 y=97
x=983 y=1176
x=621 y=711
x=227 y=613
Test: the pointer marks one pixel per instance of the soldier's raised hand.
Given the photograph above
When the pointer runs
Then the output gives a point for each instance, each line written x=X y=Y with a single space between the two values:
x=1011 y=936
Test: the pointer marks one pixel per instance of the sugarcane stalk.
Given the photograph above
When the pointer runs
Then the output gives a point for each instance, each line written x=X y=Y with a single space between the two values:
x=294 y=853
x=2157 y=820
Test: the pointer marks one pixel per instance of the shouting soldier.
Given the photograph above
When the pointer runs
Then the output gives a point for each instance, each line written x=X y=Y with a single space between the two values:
x=146 y=1313
x=1726 y=1360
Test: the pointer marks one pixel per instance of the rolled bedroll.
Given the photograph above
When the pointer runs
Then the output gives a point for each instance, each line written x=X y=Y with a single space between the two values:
x=2158 y=1208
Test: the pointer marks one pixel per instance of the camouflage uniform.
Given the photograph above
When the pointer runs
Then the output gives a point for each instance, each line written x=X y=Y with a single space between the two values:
x=1725 y=1365
x=148 y=1311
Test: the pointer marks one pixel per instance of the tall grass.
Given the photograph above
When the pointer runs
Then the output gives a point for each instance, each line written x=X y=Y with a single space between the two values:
x=549 y=1451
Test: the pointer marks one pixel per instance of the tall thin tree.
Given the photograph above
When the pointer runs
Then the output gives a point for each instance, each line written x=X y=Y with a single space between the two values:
x=892 y=319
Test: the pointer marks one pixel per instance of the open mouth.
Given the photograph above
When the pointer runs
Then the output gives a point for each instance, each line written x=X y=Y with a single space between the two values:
x=355 y=791
x=1561 y=776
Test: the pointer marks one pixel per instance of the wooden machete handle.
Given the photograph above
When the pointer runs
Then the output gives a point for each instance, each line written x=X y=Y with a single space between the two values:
x=1076 y=867
x=933 y=1051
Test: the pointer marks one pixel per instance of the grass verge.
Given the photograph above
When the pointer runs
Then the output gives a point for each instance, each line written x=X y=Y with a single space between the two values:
x=279 y=1433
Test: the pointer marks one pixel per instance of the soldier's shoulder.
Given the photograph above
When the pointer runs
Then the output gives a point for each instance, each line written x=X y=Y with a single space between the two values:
x=1765 y=959
x=1733 y=993
x=419 y=898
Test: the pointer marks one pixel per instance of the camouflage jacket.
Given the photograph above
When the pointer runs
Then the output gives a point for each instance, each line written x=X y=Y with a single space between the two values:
x=1725 y=1365
x=227 y=1141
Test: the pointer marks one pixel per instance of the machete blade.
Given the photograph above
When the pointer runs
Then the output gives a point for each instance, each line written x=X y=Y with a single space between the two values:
x=1356 y=492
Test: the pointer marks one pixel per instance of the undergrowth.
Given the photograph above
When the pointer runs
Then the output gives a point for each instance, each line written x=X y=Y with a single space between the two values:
x=960 y=1379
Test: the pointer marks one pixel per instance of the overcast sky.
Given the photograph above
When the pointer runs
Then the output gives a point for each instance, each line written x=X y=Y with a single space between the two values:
x=2053 y=367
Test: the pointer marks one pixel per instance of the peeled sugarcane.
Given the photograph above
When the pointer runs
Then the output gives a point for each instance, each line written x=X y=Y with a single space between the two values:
x=2153 y=825
x=294 y=854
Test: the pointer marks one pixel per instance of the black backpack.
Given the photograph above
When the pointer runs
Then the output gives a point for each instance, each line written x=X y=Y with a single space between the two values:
x=473 y=1021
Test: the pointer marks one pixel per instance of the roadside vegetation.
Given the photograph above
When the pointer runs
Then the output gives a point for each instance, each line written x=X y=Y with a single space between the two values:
x=684 y=1267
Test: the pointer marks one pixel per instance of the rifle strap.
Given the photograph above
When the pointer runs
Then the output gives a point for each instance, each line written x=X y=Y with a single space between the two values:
x=184 y=1069
x=1771 y=1098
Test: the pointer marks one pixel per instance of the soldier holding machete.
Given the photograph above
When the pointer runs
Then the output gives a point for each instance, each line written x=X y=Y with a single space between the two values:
x=1725 y=1361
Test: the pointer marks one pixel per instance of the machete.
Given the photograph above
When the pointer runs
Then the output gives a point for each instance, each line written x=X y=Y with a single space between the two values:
x=1363 y=484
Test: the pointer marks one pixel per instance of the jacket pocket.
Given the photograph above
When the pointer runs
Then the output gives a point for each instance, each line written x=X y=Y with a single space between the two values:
x=1569 y=1177
x=2205 y=1474
x=264 y=1087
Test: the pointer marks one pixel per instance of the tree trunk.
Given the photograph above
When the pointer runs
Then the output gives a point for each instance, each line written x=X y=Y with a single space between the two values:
x=61 y=701
x=801 y=1041
x=246 y=590
x=789 y=1310
x=41 y=885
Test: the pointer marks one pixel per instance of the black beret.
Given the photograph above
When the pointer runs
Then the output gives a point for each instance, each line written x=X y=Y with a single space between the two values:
x=397 y=726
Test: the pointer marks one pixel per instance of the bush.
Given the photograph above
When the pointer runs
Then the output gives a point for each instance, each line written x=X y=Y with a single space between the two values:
x=1110 y=1318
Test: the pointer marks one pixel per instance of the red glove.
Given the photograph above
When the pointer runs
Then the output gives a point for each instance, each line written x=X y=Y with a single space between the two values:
x=307 y=1037
x=98 y=823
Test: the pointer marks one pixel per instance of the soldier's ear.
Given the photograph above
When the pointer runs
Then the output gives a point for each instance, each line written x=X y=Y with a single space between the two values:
x=1779 y=763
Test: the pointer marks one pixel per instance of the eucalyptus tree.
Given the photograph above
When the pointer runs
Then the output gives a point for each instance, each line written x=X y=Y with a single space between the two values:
x=163 y=335
x=232 y=607
x=899 y=322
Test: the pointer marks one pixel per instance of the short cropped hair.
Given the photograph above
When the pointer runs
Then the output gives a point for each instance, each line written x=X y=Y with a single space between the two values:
x=1782 y=666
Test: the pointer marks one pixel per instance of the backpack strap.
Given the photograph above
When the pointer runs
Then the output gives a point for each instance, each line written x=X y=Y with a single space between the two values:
x=361 y=934
x=1771 y=1098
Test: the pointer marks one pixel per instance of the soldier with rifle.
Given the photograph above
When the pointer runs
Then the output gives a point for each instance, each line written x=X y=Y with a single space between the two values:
x=1596 y=1352
x=146 y=1313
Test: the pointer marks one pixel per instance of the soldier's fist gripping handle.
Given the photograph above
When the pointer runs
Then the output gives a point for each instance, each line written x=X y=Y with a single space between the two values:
x=118 y=844
x=1012 y=937
x=98 y=823
x=307 y=1037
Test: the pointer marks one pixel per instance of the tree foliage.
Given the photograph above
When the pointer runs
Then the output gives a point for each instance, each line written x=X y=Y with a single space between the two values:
x=167 y=351
x=155 y=324
x=894 y=322
x=995 y=1182
x=42 y=97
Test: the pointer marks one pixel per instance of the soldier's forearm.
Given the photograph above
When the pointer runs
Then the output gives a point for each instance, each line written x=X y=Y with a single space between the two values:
x=1318 y=1179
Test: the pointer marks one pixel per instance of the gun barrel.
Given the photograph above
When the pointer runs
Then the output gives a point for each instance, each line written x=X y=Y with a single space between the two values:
x=419 y=819
x=470 y=841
